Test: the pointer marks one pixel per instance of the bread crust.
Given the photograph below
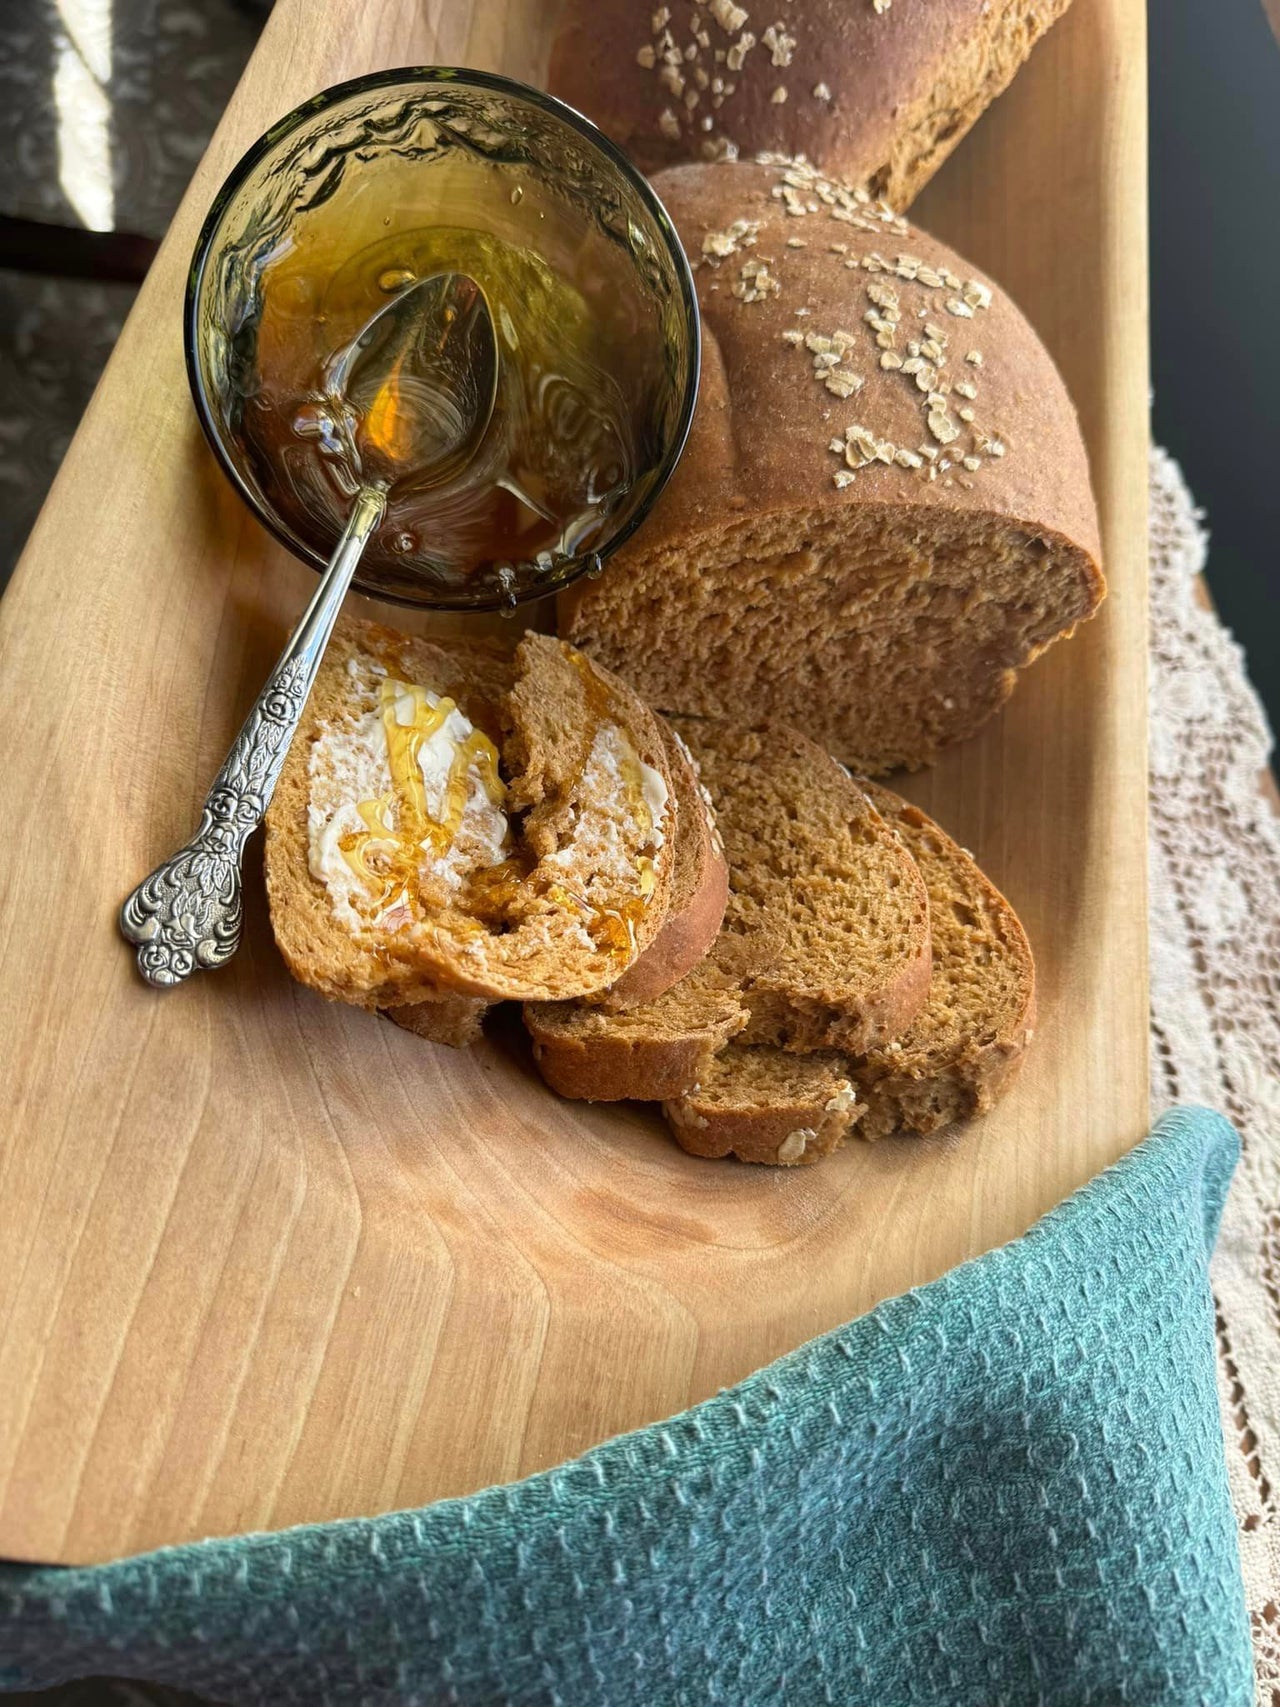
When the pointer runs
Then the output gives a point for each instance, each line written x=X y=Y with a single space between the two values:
x=887 y=616
x=700 y=890
x=916 y=1088
x=877 y=98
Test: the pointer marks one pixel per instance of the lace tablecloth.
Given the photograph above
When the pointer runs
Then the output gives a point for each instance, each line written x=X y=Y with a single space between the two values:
x=1215 y=999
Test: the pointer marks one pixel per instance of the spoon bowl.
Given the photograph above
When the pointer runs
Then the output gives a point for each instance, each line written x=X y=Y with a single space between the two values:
x=412 y=394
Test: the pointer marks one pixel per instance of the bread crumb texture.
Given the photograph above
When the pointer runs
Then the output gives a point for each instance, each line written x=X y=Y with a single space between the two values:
x=952 y=1062
x=876 y=94
x=883 y=511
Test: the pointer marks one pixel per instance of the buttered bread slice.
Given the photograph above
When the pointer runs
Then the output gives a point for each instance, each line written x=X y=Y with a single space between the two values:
x=699 y=891
x=435 y=834
x=825 y=941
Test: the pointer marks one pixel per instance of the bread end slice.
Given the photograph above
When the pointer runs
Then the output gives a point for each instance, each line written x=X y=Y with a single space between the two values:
x=959 y=1055
x=763 y=1105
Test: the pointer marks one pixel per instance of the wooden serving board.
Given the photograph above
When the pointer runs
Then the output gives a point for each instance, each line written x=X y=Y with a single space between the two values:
x=264 y=1259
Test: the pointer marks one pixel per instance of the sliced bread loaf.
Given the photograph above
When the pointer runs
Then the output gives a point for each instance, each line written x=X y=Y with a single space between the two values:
x=825 y=941
x=397 y=867
x=952 y=1062
x=883 y=511
x=876 y=94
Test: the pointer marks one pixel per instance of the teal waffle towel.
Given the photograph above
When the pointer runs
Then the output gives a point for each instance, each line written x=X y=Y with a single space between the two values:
x=1007 y=1487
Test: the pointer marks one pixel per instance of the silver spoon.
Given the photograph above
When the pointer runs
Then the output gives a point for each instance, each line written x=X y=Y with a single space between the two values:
x=412 y=394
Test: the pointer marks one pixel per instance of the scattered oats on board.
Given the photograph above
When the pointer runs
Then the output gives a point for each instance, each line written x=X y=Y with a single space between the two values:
x=821 y=92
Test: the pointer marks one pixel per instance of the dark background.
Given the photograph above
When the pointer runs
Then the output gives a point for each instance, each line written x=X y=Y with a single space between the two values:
x=1215 y=297
x=1215 y=256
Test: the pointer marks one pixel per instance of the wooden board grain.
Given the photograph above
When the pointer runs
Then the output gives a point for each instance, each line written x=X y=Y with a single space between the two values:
x=265 y=1260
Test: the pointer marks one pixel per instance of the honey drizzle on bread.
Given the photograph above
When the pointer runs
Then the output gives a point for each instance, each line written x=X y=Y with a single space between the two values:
x=564 y=901
x=387 y=854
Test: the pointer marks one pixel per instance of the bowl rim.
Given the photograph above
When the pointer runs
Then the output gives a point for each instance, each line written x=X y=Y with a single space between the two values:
x=427 y=75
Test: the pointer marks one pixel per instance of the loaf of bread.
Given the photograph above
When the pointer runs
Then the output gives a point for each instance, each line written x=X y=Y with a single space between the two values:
x=951 y=1063
x=825 y=941
x=877 y=92
x=884 y=509
x=457 y=820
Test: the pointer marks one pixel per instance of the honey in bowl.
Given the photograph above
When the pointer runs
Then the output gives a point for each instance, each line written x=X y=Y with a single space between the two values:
x=591 y=311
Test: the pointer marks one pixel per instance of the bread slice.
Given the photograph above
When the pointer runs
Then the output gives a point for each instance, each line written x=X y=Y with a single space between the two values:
x=883 y=511
x=699 y=890
x=876 y=94
x=952 y=1062
x=398 y=868
x=647 y=1053
x=825 y=942
x=960 y=1053
x=763 y=1105
x=455 y=1021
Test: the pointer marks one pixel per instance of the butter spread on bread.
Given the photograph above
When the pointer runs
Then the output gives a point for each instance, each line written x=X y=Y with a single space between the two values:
x=406 y=803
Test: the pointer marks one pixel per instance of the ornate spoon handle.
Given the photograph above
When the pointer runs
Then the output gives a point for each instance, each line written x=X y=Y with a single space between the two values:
x=188 y=913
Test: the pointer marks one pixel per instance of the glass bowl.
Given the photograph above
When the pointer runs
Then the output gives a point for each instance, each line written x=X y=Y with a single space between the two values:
x=327 y=168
